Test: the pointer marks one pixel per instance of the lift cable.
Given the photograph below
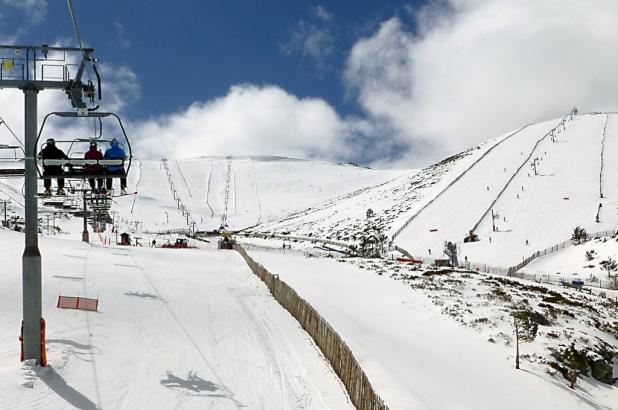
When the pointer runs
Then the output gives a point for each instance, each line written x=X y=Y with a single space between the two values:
x=2 y=121
x=81 y=47
x=74 y=20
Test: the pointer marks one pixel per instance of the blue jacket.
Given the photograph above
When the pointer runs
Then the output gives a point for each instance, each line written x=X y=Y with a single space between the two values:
x=115 y=152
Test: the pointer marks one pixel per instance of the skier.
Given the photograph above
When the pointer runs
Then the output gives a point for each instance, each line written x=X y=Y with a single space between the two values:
x=115 y=151
x=52 y=152
x=94 y=169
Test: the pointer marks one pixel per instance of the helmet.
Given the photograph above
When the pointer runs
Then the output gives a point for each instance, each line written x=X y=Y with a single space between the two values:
x=93 y=143
x=51 y=141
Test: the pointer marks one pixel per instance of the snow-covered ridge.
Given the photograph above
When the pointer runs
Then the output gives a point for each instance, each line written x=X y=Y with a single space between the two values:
x=532 y=211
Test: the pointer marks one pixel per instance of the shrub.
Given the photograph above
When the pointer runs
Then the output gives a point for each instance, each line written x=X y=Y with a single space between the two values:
x=579 y=235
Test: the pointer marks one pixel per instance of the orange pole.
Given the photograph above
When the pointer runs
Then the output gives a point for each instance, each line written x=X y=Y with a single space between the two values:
x=21 y=342
x=43 y=353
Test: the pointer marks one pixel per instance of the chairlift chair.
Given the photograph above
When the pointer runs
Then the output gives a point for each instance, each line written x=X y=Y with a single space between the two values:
x=9 y=166
x=75 y=167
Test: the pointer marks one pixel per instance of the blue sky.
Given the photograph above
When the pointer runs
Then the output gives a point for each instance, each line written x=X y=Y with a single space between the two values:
x=192 y=51
x=380 y=83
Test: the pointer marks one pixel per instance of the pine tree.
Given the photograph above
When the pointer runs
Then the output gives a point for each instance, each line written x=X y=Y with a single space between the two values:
x=579 y=235
x=609 y=265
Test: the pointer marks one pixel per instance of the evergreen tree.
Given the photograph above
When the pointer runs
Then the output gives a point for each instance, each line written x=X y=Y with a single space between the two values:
x=609 y=265
x=579 y=235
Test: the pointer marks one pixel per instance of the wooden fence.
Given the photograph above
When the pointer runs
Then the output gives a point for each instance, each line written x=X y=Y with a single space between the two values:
x=325 y=337
x=453 y=182
x=307 y=253
x=514 y=270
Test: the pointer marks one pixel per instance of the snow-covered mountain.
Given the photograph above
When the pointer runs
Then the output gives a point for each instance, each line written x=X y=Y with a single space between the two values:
x=193 y=328
x=534 y=206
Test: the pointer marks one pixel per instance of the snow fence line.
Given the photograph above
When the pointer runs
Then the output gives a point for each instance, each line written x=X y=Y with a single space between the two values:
x=332 y=346
x=552 y=132
x=177 y=231
x=297 y=238
x=513 y=270
x=453 y=182
x=307 y=253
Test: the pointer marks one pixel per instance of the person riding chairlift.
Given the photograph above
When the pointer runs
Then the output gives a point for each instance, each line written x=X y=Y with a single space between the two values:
x=52 y=152
x=94 y=169
x=115 y=151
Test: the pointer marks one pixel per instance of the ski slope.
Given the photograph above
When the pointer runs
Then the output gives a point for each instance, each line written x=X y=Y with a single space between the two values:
x=261 y=189
x=453 y=214
x=393 y=203
x=418 y=357
x=172 y=332
x=531 y=211
x=195 y=329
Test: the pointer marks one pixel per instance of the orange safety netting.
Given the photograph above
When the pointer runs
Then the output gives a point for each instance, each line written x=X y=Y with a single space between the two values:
x=76 y=302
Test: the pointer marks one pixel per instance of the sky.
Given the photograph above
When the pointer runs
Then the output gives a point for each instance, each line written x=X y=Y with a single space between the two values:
x=389 y=84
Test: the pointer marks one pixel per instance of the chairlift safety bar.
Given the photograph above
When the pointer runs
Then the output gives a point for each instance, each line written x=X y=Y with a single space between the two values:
x=80 y=162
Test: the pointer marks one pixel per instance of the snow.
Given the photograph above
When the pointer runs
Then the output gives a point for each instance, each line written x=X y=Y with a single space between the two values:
x=171 y=332
x=571 y=263
x=257 y=186
x=534 y=211
x=195 y=328
x=455 y=212
x=414 y=356
x=393 y=202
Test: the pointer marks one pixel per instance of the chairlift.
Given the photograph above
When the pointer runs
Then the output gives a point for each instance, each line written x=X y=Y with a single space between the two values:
x=75 y=166
x=11 y=165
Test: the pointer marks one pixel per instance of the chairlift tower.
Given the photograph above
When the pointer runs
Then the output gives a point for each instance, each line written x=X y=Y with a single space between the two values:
x=226 y=199
x=33 y=69
x=4 y=203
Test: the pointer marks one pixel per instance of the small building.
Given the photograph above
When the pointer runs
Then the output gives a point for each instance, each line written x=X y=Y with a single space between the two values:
x=443 y=262
x=125 y=239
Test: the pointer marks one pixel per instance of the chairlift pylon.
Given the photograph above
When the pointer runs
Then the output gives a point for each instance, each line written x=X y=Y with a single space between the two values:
x=75 y=167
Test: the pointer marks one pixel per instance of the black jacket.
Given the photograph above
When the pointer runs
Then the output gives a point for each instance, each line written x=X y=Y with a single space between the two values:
x=52 y=152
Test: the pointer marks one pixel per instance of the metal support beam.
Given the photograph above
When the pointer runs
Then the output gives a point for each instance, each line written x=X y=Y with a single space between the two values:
x=31 y=260
x=31 y=82
x=85 y=237
x=5 y=203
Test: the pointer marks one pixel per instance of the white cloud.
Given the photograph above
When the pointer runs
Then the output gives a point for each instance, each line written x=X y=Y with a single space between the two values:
x=121 y=36
x=249 y=120
x=120 y=87
x=312 y=40
x=35 y=10
x=321 y=13
x=475 y=69
x=470 y=71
